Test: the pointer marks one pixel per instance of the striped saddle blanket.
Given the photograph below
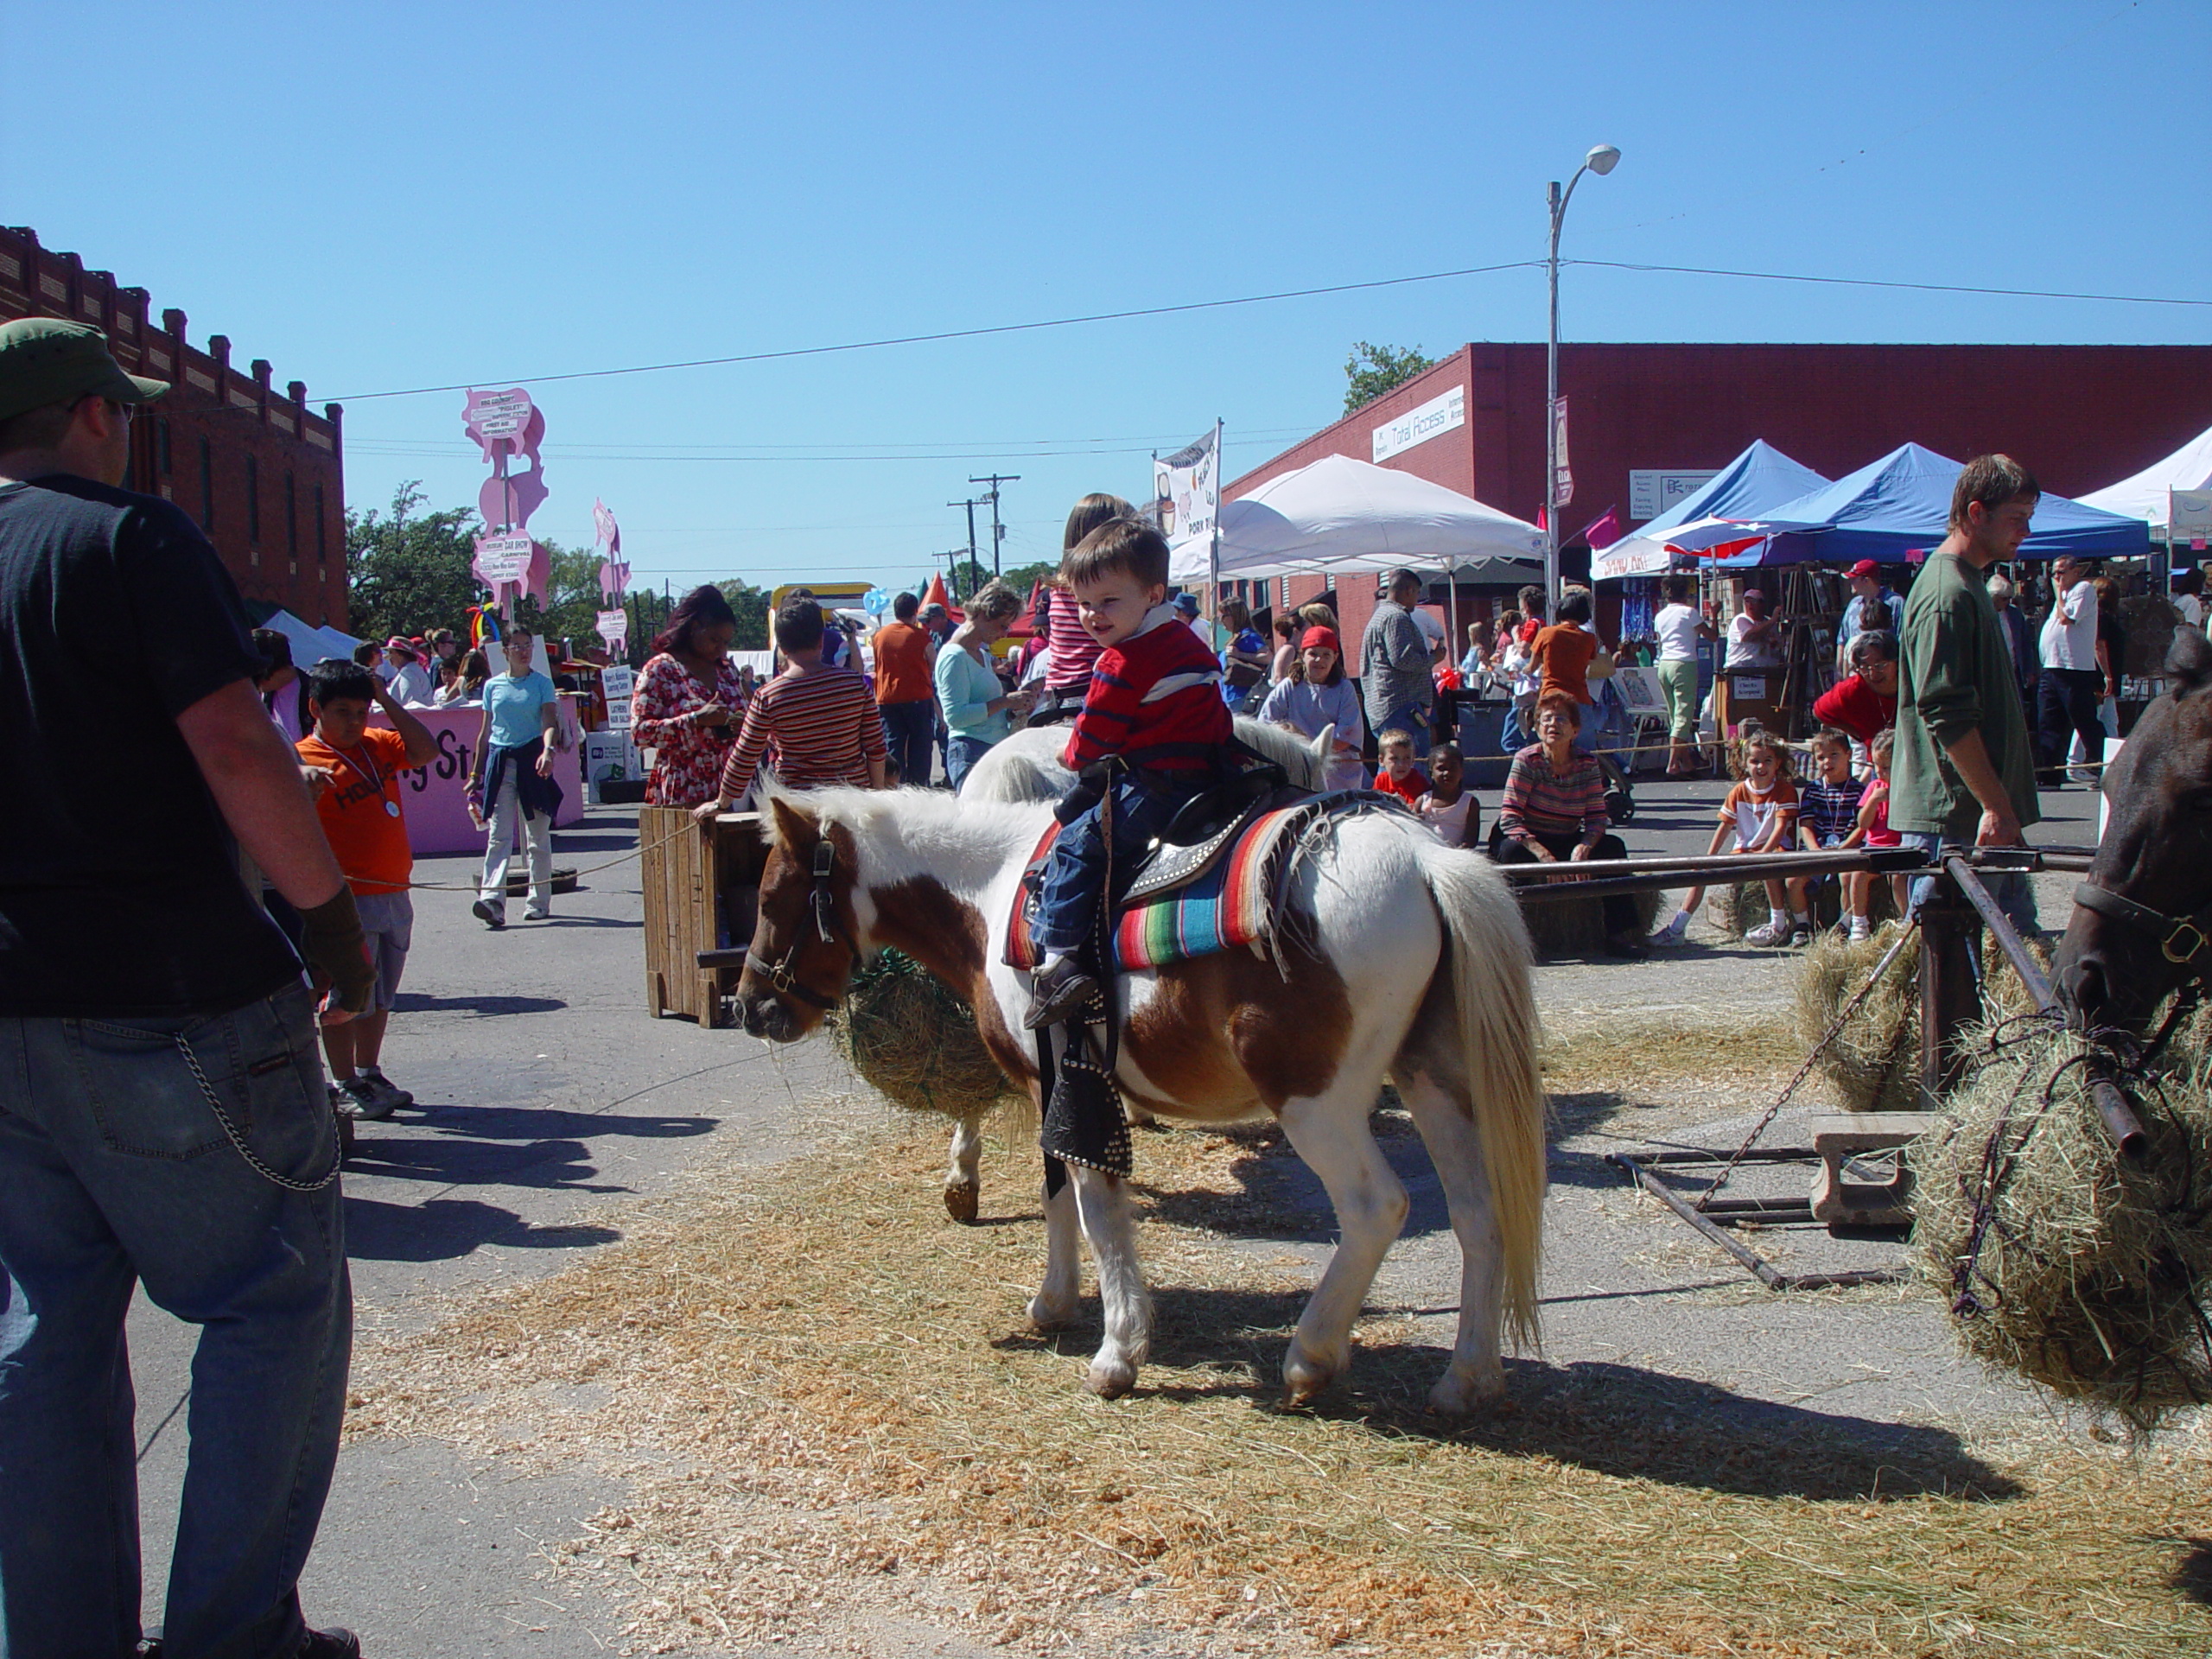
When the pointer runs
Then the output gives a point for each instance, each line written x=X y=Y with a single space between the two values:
x=1235 y=900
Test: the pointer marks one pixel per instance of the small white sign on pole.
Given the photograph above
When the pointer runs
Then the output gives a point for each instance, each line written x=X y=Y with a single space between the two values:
x=1432 y=420
x=1651 y=491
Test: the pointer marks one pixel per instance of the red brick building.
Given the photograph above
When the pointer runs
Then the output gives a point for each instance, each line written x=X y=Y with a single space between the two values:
x=264 y=476
x=2080 y=417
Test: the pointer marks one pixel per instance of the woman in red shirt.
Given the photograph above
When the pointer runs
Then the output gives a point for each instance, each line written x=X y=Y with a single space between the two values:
x=1864 y=701
x=687 y=695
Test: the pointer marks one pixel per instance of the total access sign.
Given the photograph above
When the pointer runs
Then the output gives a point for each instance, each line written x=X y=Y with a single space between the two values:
x=1432 y=420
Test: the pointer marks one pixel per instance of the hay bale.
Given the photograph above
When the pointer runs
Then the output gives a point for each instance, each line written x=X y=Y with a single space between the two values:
x=1874 y=1061
x=2088 y=1275
x=1576 y=927
x=905 y=1031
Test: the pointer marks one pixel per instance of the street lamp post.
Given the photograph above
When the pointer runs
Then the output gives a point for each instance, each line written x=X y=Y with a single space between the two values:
x=1601 y=159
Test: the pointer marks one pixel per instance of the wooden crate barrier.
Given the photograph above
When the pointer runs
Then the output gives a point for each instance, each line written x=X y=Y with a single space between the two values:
x=695 y=877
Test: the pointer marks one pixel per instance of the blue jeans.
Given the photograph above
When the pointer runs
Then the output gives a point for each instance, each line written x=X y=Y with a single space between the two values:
x=962 y=751
x=2014 y=892
x=116 y=1170
x=1412 y=719
x=910 y=733
x=1067 y=905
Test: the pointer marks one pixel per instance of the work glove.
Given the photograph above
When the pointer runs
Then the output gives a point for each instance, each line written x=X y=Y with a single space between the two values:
x=331 y=937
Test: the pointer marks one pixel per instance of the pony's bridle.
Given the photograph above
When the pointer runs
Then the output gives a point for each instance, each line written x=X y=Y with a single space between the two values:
x=2185 y=941
x=783 y=975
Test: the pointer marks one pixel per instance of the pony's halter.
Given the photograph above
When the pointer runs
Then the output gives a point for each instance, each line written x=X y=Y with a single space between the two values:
x=2185 y=941
x=783 y=975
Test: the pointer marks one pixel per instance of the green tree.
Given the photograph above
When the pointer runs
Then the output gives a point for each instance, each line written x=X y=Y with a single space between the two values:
x=407 y=571
x=1023 y=577
x=572 y=602
x=1371 y=370
x=751 y=606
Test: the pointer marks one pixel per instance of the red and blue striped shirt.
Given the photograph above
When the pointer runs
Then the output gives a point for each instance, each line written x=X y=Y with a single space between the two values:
x=1155 y=700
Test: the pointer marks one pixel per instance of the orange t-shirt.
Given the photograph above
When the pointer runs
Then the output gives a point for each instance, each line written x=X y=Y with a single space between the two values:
x=360 y=811
x=1564 y=652
x=902 y=665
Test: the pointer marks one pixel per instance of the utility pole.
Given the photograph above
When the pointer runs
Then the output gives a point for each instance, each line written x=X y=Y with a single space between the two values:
x=998 y=529
x=971 y=505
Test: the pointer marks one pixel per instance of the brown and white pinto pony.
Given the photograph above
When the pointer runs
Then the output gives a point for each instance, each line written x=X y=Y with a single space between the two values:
x=2113 y=970
x=1419 y=974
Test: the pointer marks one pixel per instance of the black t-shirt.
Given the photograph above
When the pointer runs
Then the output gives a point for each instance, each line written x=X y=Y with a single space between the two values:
x=119 y=891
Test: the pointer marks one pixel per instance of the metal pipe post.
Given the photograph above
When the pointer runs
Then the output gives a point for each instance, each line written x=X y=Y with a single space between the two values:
x=1949 y=999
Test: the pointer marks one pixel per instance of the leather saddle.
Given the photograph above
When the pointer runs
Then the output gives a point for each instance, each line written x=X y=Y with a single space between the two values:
x=1206 y=826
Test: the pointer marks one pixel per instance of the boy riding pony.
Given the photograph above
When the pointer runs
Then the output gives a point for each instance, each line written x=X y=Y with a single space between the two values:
x=1156 y=704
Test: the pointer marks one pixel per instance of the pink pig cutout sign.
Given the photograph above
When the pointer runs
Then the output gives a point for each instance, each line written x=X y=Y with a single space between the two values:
x=613 y=574
x=506 y=426
x=504 y=423
x=512 y=564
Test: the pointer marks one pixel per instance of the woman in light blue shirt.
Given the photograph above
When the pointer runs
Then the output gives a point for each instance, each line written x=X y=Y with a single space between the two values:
x=513 y=776
x=978 y=710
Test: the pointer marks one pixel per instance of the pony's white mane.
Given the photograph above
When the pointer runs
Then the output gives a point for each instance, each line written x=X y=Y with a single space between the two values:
x=900 y=834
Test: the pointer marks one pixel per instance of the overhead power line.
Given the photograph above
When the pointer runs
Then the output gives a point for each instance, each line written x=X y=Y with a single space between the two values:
x=1872 y=281
x=944 y=334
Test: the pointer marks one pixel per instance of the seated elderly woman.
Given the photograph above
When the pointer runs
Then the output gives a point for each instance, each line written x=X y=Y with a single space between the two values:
x=1864 y=701
x=1554 y=812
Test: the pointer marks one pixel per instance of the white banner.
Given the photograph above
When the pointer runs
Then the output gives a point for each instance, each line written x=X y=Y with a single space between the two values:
x=1432 y=420
x=1562 y=475
x=1187 y=487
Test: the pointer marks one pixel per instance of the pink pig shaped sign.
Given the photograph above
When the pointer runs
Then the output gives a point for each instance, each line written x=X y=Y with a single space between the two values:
x=508 y=427
x=613 y=574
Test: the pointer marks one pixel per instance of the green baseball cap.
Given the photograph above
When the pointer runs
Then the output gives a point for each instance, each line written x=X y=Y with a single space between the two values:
x=48 y=360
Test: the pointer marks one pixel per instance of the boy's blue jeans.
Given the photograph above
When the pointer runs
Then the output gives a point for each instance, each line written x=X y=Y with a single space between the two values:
x=114 y=1171
x=1067 y=903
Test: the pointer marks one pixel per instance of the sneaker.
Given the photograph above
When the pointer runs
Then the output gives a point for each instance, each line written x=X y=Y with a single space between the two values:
x=359 y=1098
x=1059 y=989
x=1767 y=934
x=374 y=1077
x=1801 y=934
x=536 y=913
x=493 y=916
x=1674 y=933
x=333 y=1643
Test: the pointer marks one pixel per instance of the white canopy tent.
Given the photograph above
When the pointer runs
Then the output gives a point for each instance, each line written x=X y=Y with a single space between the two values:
x=1338 y=514
x=2144 y=495
x=310 y=646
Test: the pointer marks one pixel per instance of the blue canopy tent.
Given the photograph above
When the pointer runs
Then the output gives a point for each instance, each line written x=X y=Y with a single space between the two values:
x=1746 y=488
x=1897 y=509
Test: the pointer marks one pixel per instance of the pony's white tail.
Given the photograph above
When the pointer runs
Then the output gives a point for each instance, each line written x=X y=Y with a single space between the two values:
x=1495 y=1003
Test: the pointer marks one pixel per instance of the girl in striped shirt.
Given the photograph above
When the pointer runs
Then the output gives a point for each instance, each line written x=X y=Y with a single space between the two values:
x=1554 y=812
x=821 y=721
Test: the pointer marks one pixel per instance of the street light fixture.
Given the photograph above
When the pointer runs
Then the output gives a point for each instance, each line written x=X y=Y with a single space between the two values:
x=1601 y=159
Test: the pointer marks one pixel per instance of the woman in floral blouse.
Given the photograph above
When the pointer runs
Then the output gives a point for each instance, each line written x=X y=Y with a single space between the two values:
x=689 y=701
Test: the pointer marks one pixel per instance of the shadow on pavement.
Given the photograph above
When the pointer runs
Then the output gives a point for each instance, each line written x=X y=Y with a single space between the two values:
x=1623 y=1420
x=483 y=1007
x=442 y=1229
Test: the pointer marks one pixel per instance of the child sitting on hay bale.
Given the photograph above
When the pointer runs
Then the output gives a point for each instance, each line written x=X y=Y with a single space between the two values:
x=1760 y=816
x=1828 y=820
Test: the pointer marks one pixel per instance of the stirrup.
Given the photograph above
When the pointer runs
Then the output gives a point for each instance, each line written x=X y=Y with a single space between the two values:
x=1059 y=995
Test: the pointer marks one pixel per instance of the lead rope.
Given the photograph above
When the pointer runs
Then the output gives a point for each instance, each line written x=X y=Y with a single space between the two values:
x=238 y=1140
x=1805 y=1071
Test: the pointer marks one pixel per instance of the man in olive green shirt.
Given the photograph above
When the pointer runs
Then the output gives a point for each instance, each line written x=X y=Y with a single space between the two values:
x=1964 y=773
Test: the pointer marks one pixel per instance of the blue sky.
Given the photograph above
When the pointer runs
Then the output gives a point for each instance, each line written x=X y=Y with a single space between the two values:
x=388 y=196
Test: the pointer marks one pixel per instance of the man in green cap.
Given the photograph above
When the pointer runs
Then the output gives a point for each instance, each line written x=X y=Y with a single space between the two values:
x=162 y=1117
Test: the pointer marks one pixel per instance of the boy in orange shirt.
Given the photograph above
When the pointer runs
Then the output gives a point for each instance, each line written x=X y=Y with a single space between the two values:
x=356 y=774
